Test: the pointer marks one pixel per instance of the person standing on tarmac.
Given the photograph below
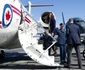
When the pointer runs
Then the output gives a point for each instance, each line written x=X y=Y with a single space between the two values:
x=73 y=41
x=61 y=42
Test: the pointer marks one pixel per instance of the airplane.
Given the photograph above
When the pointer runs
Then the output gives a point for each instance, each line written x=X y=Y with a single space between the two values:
x=18 y=28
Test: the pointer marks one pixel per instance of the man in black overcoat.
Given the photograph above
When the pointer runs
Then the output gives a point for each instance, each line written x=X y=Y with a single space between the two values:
x=73 y=41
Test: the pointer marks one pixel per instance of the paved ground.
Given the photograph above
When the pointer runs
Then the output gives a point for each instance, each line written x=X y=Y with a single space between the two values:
x=17 y=59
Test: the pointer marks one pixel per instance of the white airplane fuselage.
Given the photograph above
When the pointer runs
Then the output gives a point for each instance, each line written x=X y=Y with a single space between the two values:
x=10 y=18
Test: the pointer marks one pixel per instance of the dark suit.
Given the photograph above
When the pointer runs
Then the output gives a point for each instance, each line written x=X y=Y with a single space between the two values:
x=73 y=34
x=73 y=41
x=61 y=42
x=52 y=25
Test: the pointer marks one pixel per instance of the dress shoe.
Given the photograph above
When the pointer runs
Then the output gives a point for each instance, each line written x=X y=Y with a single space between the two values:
x=80 y=67
x=66 y=66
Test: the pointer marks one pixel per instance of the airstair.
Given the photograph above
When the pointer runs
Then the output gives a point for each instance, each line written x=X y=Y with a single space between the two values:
x=29 y=35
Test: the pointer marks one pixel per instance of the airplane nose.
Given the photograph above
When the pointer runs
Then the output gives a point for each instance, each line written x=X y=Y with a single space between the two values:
x=81 y=24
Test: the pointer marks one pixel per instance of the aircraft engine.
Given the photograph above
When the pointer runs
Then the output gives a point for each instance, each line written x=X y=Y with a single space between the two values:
x=45 y=19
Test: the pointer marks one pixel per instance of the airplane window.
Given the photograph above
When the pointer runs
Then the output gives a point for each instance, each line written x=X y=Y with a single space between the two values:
x=77 y=21
x=80 y=21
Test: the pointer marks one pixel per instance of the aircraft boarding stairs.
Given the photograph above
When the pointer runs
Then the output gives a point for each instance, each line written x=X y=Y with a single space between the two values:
x=29 y=39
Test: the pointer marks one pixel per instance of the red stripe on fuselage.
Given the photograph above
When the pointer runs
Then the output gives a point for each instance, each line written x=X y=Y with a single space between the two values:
x=0 y=22
x=16 y=8
x=18 y=12
x=27 y=19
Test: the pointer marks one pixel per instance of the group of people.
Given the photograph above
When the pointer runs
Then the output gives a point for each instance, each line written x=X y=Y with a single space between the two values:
x=68 y=38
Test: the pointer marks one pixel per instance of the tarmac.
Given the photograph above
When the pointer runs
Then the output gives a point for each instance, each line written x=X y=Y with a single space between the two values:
x=17 y=59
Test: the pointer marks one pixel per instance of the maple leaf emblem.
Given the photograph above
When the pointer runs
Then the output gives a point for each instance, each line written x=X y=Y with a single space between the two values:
x=8 y=15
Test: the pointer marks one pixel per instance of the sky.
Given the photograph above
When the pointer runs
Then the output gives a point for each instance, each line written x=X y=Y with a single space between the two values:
x=70 y=8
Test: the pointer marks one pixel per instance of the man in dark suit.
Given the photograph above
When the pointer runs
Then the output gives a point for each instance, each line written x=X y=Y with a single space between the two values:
x=73 y=41
x=61 y=42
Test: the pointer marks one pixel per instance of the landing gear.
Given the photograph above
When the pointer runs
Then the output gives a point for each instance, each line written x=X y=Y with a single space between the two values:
x=2 y=54
x=84 y=53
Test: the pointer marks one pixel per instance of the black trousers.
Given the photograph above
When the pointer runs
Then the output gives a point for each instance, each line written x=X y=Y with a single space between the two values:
x=69 y=54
